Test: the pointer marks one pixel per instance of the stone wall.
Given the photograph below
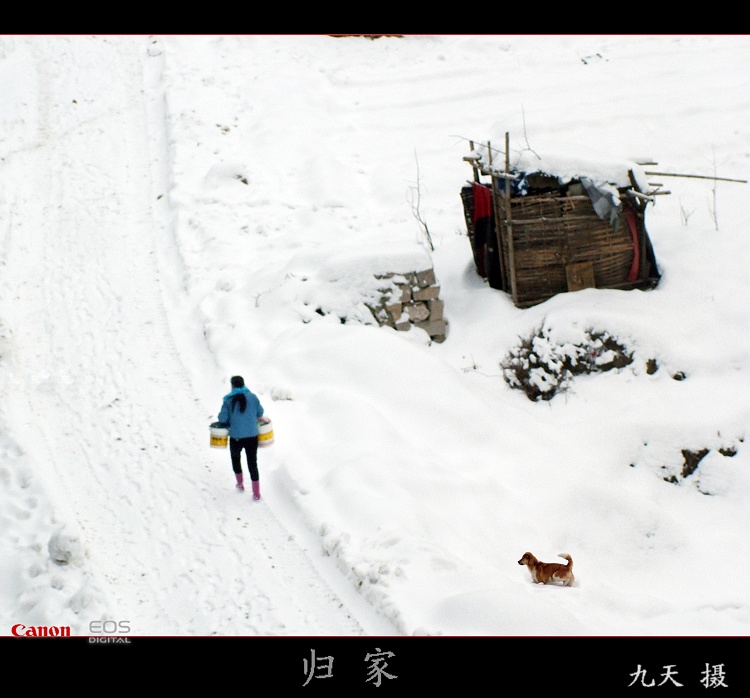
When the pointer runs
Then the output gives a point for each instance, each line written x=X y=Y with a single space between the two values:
x=411 y=300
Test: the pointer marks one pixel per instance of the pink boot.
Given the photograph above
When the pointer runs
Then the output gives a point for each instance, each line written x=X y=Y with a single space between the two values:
x=240 y=485
x=256 y=490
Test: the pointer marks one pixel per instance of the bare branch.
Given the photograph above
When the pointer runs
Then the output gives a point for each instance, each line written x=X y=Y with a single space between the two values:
x=525 y=137
x=415 y=198
x=712 y=207
x=685 y=215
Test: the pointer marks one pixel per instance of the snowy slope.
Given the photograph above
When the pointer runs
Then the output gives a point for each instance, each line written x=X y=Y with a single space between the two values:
x=176 y=210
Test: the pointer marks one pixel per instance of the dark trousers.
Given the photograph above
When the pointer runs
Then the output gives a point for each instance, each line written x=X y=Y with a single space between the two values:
x=250 y=444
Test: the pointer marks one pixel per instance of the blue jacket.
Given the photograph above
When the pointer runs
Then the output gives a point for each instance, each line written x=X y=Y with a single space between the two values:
x=241 y=424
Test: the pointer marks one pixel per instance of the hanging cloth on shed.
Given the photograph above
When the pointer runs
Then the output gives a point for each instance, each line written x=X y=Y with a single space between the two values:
x=482 y=201
x=482 y=223
x=635 y=267
x=486 y=243
x=605 y=203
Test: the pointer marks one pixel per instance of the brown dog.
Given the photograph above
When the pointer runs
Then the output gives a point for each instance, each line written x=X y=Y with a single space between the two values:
x=546 y=572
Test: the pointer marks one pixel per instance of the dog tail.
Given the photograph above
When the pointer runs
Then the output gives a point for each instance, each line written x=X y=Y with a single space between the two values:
x=568 y=558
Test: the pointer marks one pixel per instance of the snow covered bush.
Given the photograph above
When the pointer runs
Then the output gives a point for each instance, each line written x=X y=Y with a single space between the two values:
x=543 y=367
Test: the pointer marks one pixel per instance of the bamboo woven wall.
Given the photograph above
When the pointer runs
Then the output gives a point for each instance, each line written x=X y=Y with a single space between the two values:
x=551 y=232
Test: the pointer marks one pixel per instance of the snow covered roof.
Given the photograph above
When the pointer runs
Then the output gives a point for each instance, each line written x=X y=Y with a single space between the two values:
x=603 y=172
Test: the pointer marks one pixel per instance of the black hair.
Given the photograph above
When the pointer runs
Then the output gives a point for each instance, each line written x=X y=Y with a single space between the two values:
x=242 y=399
x=238 y=382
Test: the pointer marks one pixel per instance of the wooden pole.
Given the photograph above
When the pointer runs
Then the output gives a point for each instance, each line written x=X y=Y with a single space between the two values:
x=509 y=224
x=692 y=176
x=639 y=206
x=474 y=163
x=496 y=211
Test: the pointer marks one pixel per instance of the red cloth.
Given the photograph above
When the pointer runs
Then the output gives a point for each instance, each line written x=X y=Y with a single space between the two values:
x=482 y=201
x=635 y=267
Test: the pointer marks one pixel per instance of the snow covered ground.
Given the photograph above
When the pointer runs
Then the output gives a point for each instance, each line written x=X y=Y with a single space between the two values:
x=176 y=210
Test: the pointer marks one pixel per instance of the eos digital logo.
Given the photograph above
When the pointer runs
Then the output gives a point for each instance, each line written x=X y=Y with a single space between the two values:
x=109 y=629
x=107 y=632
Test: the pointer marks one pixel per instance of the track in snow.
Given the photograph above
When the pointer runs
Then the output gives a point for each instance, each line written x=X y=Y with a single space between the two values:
x=109 y=415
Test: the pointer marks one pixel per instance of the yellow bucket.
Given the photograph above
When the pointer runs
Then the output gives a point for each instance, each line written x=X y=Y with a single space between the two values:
x=219 y=436
x=265 y=432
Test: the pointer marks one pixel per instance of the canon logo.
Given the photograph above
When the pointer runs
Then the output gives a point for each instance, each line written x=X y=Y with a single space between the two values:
x=20 y=630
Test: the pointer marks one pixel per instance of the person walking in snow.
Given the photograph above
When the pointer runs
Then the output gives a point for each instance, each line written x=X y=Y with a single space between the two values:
x=241 y=410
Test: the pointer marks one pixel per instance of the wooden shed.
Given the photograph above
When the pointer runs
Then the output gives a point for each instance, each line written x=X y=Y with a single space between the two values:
x=535 y=233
